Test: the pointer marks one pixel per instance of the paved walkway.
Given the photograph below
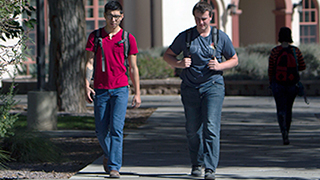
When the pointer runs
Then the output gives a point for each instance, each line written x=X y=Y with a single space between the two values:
x=251 y=144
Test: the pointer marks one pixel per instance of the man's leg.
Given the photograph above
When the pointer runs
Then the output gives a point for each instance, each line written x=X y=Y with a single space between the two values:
x=191 y=102
x=119 y=101
x=211 y=105
x=102 y=120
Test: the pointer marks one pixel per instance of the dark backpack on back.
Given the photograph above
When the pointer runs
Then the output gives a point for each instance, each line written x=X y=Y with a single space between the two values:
x=98 y=43
x=215 y=37
x=286 y=67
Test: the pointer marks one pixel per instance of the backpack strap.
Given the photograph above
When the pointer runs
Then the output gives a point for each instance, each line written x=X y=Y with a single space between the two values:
x=214 y=33
x=103 y=59
x=126 y=46
x=215 y=37
x=295 y=57
x=188 y=41
x=96 y=44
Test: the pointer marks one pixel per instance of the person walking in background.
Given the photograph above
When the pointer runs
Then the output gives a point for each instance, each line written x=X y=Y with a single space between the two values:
x=202 y=87
x=106 y=61
x=285 y=61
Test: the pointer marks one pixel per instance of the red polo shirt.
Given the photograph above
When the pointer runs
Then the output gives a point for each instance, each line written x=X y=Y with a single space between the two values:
x=115 y=71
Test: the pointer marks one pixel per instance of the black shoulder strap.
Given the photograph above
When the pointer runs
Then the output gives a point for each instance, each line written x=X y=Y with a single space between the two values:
x=96 y=39
x=126 y=46
x=96 y=44
x=188 y=40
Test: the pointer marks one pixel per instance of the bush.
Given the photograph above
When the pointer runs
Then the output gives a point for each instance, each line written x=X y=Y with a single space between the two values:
x=253 y=63
x=7 y=121
x=263 y=49
x=6 y=118
x=30 y=147
x=152 y=66
x=252 y=66
x=311 y=56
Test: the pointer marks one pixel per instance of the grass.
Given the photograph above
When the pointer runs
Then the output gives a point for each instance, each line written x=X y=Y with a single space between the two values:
x=64 y=123
x=134 y=119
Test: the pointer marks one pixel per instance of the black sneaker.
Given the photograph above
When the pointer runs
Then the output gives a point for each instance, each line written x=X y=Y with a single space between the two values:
x=196 y=171
x=209 y=174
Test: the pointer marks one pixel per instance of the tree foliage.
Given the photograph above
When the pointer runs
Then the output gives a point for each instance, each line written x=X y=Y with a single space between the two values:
x=11 y=28
x=11 y=54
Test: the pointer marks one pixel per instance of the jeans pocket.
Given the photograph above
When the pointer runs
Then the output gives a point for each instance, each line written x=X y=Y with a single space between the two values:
x=221 y=83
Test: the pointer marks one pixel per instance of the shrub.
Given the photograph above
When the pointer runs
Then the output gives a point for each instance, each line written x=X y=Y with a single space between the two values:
x=6 y=118
x=253 y=63
x=263 y=49
x=252 y=66
x=311 y=56
x=152 y=66
x=30 y=147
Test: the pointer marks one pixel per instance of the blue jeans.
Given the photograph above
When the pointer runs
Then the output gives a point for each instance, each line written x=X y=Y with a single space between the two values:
x=109 y=110
x=284 y=97
x=202 y=107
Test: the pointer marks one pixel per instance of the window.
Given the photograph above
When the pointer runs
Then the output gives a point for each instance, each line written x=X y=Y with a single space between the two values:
x=215 y=15
x=309 y=22
x=95 y=14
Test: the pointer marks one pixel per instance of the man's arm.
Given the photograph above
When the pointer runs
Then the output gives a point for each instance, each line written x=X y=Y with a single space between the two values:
x=171 y=58
x=89 y=71
x=228 y=64
x=134 y=75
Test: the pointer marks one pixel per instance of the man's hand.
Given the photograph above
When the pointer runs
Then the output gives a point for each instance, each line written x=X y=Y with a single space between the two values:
x=214 y=65
x=185 y=62
x=136 y=101
x=89 y=91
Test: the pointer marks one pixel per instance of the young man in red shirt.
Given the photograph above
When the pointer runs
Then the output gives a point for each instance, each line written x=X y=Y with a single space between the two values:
x=111 y=87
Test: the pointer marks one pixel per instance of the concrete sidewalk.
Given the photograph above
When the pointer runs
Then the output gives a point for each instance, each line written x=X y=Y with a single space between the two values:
x=251 y=143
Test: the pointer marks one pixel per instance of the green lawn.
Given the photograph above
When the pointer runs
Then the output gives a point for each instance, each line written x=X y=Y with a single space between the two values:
x=64 y=122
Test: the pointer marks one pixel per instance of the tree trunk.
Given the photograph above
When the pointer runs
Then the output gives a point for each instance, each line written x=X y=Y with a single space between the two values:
x=67 y=53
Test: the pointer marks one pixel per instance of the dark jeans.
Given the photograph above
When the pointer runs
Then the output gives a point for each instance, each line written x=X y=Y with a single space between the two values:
x=202 y=107
x=284 y=97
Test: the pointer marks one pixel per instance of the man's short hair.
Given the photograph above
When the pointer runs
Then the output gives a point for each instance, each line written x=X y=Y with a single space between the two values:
x=202 y=7
x=113 y=6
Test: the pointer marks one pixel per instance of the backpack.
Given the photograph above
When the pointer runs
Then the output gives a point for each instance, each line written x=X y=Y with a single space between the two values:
x=286 y=66
x=215 y=38
x=98 y=42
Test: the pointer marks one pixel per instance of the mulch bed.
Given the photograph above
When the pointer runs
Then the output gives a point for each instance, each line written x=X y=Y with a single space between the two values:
x=77 y=153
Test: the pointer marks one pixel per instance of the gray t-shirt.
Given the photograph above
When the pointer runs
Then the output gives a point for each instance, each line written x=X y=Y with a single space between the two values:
x=201 y=51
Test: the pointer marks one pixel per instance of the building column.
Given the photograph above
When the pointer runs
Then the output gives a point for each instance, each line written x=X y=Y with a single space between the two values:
x=235 y=13
x=283 y=15
x=283 y=19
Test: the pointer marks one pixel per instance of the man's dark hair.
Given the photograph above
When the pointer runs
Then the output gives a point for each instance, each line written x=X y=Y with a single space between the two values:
x=285 y=35
x=113 y=6
x=202 y=7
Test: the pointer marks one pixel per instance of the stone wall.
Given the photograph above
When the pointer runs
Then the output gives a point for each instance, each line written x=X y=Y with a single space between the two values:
x=172 y=86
